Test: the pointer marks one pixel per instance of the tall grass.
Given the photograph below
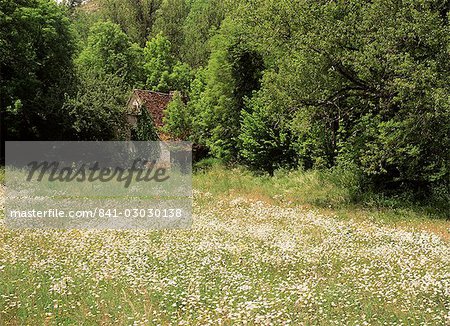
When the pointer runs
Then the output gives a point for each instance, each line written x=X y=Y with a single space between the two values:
x=335 y=189
x=318 y=188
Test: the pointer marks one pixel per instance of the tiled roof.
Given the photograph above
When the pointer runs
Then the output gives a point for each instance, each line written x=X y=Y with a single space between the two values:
x=155 y=103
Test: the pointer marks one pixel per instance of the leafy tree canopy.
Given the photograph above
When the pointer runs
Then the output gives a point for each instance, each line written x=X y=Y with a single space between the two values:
x=36 y=49
x=110 y=50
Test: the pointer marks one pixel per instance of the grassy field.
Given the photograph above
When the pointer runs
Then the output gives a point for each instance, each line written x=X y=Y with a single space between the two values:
x=288 y=250
x=332 y=193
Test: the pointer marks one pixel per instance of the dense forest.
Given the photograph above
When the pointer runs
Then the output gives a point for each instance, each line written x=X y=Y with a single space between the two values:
x=354 y=84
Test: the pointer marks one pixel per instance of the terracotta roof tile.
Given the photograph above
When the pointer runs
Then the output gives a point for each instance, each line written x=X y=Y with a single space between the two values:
x=155 y=103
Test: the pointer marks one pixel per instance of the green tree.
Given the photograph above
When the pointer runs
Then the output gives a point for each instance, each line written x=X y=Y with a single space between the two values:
x=135 y=17
x=363 y=82
x=97 y=110
x=36 y=49
x=177 y=119
x=163 y=72
x=82 y=20
x=265 y=144
x=110 y=50
x=169 y=21
x=195 y=106
x=233 y=73
x=201 y=24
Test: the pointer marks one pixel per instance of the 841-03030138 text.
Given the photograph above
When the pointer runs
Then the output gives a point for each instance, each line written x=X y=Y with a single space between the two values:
x=99 y=212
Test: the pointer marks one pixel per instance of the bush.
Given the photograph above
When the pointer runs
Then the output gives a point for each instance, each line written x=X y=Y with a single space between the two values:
x=264 y=143
x=96 y=111
x=177 y=119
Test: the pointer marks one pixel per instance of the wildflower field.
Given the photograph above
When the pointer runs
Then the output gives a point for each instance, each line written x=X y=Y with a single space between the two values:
x=245 y=261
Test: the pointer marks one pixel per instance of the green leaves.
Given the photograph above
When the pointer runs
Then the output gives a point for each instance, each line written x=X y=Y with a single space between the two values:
x=264 y=143
x=364 y=81
x=271 y=83
x=109 y=50
x=96 y=111
x=177 y=119
x=36 y=49
x=163 y=73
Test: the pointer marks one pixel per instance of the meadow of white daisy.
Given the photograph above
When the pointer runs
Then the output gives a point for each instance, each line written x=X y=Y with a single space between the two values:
x=244 y=261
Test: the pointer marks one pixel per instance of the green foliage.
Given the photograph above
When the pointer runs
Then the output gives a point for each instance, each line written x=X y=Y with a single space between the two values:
x=96 y=111
x=135 y=17
x=233 y=72
x=202 y=22
x=36 y=48
x=109 y=50
x=163 y=73
x=157 y=59
x=169 y=22
x=264 y=143
x=365 y=84
x=177 y=119
x=196 y=108
x=82 y=21
x=357 y=85
x=145 y=129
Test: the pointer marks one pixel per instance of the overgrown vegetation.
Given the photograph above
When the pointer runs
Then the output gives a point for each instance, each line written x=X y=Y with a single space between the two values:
x=355 y=86
x=333 y=191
